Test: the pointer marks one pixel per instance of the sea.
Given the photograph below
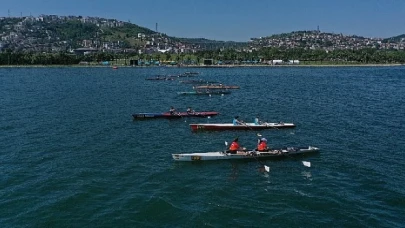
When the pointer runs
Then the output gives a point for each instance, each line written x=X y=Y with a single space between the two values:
x=71 y=154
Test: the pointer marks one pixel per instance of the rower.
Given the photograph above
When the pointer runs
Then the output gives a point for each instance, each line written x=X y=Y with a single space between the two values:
x=190 y=111
x=235 y=147
x=257 y=121
x=172 y=110
x=236 y=121
x=262 y=146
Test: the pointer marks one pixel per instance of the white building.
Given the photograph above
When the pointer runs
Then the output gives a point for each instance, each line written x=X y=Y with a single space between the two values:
x=295 y=62
x=276 y=62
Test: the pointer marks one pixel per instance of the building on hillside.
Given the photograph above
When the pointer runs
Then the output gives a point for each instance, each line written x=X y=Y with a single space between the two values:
x=293 y=62
x=276 y=62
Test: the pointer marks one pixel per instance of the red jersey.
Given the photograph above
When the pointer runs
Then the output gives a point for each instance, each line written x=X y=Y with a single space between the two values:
x=234 y=146
x=262 y=146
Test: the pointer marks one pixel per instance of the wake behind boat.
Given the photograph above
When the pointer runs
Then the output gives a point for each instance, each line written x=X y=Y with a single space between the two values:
x=168 y=115
x=248 y=155
x=245 y=126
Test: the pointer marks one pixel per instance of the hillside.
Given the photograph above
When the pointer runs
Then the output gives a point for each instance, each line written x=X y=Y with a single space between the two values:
x=400 y=38
x=316 y=40
x=52 y=33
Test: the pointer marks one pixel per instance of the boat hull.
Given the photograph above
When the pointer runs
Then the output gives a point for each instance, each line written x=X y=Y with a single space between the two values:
x=248 y=155
x=246 y=126
x=167 y=115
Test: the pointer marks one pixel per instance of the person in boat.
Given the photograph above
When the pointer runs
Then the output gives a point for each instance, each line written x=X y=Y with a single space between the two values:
x=235 y=147
x=262 y=146
x=257 y=121
x=190 y=111
x=172 y=110
x=236 y=121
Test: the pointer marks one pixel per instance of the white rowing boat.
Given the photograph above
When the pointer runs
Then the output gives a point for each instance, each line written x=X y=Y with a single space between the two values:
x=244 y=126
x=223 y=155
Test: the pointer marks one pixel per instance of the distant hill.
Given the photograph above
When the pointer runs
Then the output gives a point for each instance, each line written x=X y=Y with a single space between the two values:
x=78 y=31
x=53 y=33
x=395 y=39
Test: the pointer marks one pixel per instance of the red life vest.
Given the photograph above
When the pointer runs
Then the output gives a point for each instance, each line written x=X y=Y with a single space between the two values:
x=262 y=146
x=234 y=146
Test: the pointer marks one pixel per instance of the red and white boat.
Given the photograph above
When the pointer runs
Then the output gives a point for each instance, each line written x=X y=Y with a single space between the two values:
x=244 y=126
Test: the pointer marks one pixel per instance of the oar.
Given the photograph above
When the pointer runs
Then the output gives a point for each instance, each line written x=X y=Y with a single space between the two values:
x=267 y=124
x=266 y=168
x=305 y=163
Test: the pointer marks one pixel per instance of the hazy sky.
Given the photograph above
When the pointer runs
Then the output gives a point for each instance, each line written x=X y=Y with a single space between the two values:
x=232 y=19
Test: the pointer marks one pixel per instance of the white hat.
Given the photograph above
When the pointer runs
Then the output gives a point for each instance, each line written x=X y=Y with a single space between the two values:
x=263 y=139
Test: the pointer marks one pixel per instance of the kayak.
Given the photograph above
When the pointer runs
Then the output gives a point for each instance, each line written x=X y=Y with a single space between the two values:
x=161 y=78
x=216 y=87
x=247 y=155
x=245 y=126
x=204 y=93
x=167 y=115
x=190 y=73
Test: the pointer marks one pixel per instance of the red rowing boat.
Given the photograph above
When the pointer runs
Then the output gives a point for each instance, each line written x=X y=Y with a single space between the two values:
x=167 y=115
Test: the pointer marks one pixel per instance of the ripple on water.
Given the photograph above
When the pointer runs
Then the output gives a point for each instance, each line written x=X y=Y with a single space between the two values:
x=71 y=155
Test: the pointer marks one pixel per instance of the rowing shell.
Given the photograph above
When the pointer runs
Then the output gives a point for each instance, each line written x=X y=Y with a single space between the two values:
x=245 y=126
x=204 y=93
x=275 y=153
x=216 y=87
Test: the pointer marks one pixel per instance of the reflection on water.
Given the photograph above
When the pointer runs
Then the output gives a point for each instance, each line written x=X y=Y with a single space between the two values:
x=307 y=175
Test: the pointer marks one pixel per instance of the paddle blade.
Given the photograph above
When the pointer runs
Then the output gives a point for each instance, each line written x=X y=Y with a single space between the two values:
x=226 y=143
x=307 y=164
x=267 y=168
x=259 y=135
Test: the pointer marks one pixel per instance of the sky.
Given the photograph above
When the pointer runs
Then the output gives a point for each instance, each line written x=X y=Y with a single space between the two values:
x=232 y=20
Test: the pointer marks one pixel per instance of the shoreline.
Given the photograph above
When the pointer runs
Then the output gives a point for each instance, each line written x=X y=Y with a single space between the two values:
x=203 y=66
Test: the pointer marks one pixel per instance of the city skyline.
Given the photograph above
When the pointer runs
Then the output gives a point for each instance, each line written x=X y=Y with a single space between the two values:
x=238 y=21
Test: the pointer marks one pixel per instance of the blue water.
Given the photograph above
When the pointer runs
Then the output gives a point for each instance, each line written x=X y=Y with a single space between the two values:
x=71 y=155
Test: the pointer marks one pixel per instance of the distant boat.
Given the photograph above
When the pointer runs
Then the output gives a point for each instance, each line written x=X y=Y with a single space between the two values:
x=198 y=82
x=115 y=67
x=190 y=73
x=213 y=92
x=216 y=87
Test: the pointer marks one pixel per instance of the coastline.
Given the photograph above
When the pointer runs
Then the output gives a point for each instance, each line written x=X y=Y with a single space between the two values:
x=203 y=66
